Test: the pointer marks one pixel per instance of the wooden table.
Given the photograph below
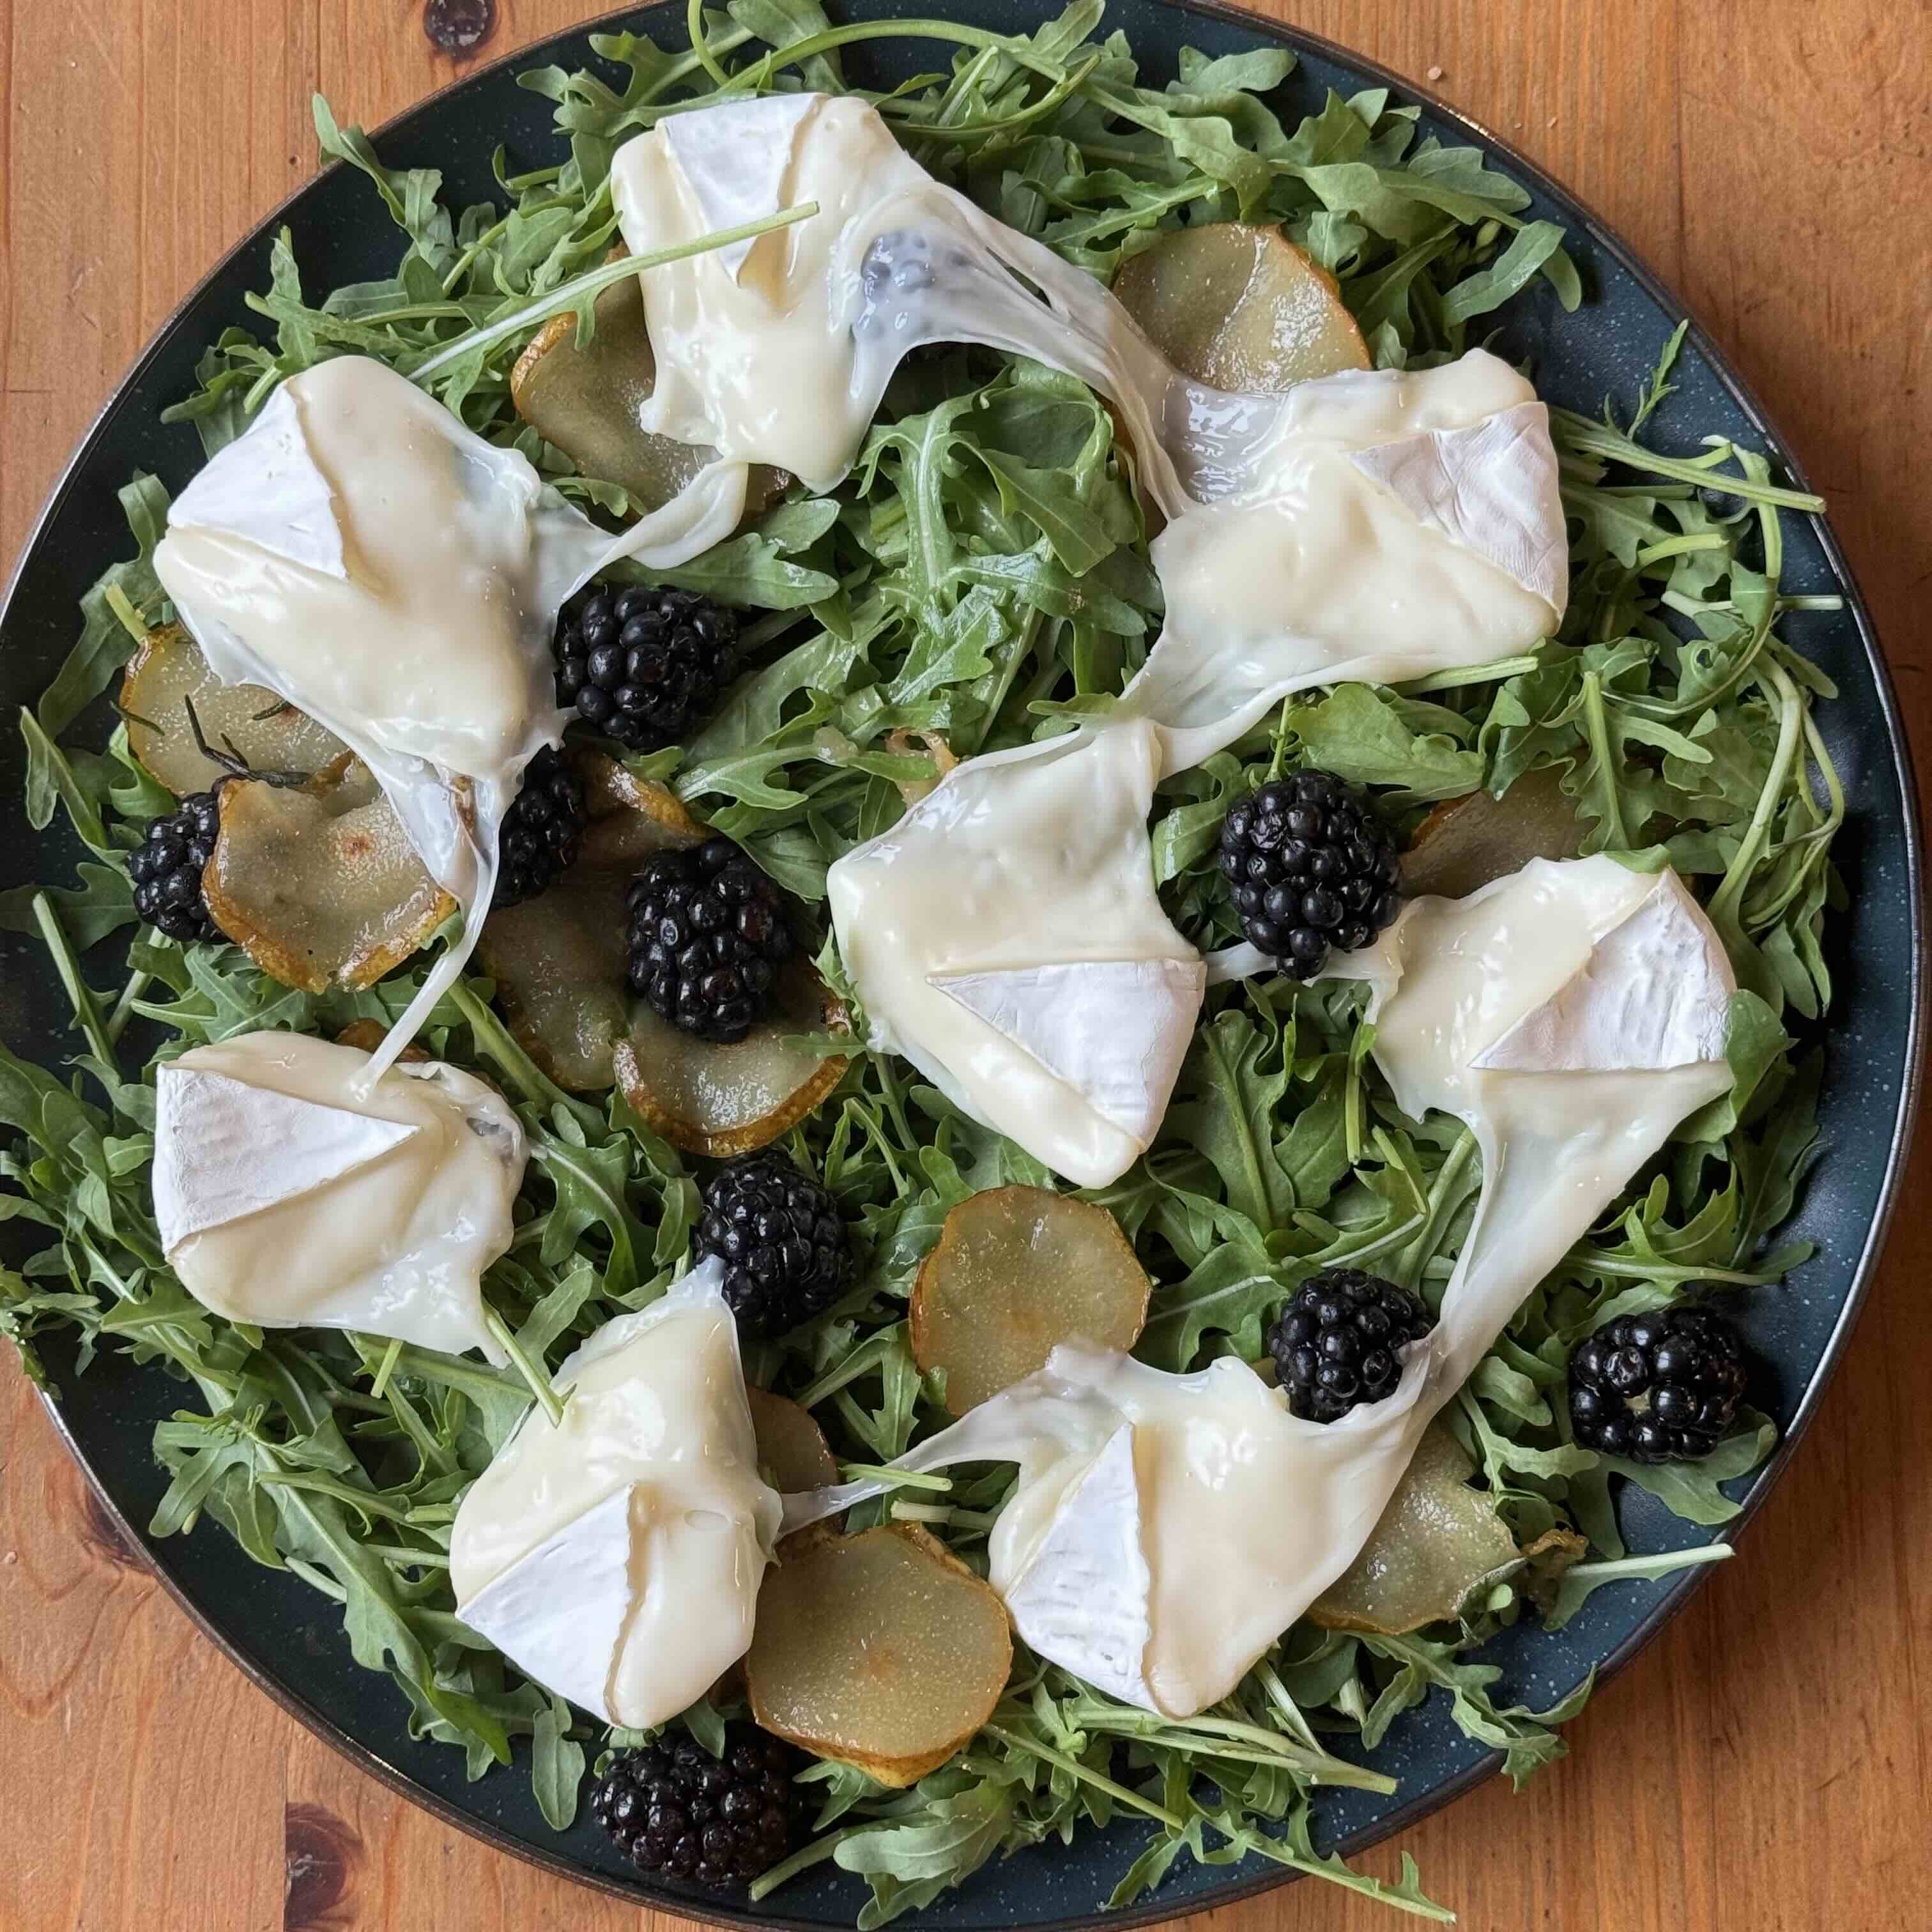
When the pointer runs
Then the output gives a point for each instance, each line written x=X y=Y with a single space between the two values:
x=1766 y=1764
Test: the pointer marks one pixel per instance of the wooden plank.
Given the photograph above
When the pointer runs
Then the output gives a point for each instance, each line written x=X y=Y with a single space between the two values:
x=1764 y=1765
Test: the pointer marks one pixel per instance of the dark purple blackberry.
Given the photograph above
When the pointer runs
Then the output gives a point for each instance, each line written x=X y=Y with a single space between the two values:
x=1337 y=1342
x=779 y=1235
x=541 y=829
x=708 y=934
x=166 y=868
x=1657 y=1388
x=1310 y=869
x=672 y=1808
x=646 y=666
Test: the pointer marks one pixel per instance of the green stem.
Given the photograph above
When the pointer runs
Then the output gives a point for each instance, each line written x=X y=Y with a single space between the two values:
x=500 y=1332
x=138 y=983
x=1086 y=1774
x=494 y=1043
x=386 y=1367
x=582 y=288
x=86 y=1009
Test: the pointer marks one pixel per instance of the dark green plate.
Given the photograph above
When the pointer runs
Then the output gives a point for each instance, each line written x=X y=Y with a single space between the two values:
x=291 y=1642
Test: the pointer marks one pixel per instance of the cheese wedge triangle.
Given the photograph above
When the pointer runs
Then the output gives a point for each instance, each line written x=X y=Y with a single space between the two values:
x=224 y=1148
x=1116 y=1030
x=1491 y=487
x=1655 y=992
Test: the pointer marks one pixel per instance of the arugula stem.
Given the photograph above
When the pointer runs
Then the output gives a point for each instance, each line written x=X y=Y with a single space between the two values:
x=138 y=983
x=575 y=293
x=80 y=995
x=897 y=1479
x=815 y=1853
x=1027 y=1747
x=386 y=1367
x=500 y=1332
x=1784 y=694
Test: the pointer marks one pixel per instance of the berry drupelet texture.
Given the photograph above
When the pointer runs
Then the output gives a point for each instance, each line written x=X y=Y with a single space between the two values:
x=1336 y=1343
x=708 y=934
x=166 y=868
x=1310 y=869
x=646 y=666
x=1657 y=1388
x=541 y=830
x=672 y=1808
x=780 y=1237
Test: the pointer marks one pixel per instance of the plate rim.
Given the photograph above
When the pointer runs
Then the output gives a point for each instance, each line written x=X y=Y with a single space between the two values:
x=1679 y=1589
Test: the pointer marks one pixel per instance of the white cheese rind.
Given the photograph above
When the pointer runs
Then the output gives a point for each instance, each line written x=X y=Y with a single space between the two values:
x=1655 y=992
x=1006 y=937
x=224 y=1148
x=643 y=1508
x=288 y=1196
x=1084 y=1598
x=1491 y=487
x=1115 y=1031
x=559 y=1614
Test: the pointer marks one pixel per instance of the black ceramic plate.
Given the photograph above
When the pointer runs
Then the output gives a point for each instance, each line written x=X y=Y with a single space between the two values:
x=291 y=1642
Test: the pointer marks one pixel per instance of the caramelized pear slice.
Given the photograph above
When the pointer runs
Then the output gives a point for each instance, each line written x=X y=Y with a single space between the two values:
x=1241 y=308
x=1465 y=842
x=1018 y=1270
x=1436 y=1542
x=723 y=1100
x=878 y=1650
x=588 y=401
x=793 y=1452
x=166 y=675
x=319 y=884
x=558 y=962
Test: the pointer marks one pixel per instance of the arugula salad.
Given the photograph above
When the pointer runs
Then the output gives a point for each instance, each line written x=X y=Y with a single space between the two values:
x=730 y=1105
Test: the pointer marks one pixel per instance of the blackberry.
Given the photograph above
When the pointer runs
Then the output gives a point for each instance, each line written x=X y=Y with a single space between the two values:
x=646 y=666
x=708 y=934
x=1657 y=1388
x=673 y=1808
x=540 y=831
x=1310 y=869
x=1336 y=1343
x=779 y=1235
x=166 y=868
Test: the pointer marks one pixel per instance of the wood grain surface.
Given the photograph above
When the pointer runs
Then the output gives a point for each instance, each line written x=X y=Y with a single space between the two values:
x=1766 y=1764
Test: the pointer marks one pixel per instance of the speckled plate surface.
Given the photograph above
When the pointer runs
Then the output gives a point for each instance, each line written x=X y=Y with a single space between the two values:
x=291 y=1642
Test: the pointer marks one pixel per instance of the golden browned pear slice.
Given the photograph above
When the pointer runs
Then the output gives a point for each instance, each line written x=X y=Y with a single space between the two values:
x=587 y=401
x=559 y=965
x=720 y=1100
x=879 y=1650
x=1018 y=1270
x=793 y=1453
x=558 y=960
x=1241 y=308
x=166 y=675
x=1435 y=1543
x=318 y=883
x=1465 y=842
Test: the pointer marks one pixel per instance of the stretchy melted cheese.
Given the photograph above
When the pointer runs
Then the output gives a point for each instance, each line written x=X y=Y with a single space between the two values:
x=361 y=553
x=1005 y=936
x=617 y=1555
x=290 y=1192
x=1572 y=1015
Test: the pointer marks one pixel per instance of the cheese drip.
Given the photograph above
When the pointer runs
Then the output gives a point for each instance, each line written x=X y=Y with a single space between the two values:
x=1005 y=936
x=361 y=554
x=291 y=1190
x=617 y=1555
x=1512 y=1010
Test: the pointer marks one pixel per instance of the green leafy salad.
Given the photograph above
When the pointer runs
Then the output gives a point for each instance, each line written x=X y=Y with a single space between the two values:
x=979 y=581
